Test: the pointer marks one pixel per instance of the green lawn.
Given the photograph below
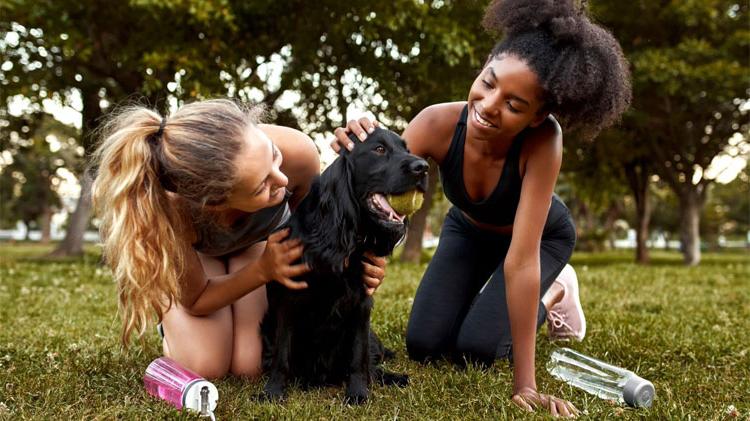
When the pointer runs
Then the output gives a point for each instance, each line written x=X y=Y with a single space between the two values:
x=685 y=329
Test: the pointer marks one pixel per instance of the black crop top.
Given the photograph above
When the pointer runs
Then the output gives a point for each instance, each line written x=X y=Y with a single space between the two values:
x=499 y=208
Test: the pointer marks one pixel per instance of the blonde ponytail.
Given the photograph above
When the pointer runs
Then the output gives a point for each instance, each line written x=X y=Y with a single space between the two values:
x=143 y=230
x=138 y=221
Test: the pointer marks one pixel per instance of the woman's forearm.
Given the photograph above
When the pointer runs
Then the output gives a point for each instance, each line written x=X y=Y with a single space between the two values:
x=220 y=291
x=522 y=291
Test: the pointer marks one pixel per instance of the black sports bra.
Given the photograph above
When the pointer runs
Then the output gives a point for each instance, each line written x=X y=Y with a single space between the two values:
x=499 y=208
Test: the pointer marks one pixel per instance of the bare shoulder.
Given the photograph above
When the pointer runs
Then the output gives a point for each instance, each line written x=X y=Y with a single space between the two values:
x=429 y=134
x=301 y=161
x=543 y=143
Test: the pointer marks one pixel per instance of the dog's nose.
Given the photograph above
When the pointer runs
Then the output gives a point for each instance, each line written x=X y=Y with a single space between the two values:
x=419 y=166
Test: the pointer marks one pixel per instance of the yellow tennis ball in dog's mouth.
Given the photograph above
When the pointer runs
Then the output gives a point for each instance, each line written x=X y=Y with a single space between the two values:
x=406 y=203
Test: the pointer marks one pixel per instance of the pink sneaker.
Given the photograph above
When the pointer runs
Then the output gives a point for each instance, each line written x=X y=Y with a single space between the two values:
x=565 y=320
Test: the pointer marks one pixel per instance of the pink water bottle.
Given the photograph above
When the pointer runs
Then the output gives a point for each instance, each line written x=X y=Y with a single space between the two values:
x=179 y=386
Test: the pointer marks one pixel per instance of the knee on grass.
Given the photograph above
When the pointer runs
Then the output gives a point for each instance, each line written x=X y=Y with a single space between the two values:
x=422 y=347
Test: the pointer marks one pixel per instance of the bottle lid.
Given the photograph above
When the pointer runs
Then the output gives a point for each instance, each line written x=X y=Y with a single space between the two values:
x=191 y=398
x=638 y=392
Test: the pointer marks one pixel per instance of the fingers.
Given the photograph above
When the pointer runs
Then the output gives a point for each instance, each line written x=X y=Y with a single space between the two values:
x=292 y=284
x=291 y=244
x=371 y=282
x=373 y=274
x=563 y=410
x=292 y=253
x=278 y=236
x=373 y=271
x=569 y=410
x=560 y=407
x=297 y=270
x=342 y=139
x=367 y=124
x=552 y=405
x=521 y=402
x=531 y=400
x=376 y=260
x=358 y=127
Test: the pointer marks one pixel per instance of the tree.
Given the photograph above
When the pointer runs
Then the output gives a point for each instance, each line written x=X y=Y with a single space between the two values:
x=727 y=210
x=30 y=175
x=393 y=58
x=105 y=53
x=690 y=86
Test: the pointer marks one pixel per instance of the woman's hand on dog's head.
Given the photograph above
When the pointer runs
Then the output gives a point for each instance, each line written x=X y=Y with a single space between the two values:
x=374 y=272
x=360 y=128
x=276 y=263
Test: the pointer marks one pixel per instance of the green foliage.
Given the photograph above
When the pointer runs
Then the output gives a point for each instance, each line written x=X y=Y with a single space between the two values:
x=727 y=210
x=334 y=53
x=678 y=327
x=28 y=180
x=690 y=79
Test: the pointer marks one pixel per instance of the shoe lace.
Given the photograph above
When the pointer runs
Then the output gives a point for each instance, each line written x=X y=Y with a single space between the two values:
x=558 y=321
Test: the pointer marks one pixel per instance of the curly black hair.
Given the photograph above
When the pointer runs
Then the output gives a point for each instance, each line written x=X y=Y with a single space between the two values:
x=580 y=65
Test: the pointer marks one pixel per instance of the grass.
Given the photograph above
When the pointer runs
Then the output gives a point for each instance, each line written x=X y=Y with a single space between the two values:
x=685 y=329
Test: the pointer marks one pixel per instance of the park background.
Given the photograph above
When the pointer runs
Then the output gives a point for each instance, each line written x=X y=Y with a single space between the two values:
x=661 y=201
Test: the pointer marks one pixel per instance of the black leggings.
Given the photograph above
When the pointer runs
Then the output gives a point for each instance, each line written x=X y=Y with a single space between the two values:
x=457 y=312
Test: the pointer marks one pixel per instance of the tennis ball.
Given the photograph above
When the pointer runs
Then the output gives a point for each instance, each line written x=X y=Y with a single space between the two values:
x=406 y=203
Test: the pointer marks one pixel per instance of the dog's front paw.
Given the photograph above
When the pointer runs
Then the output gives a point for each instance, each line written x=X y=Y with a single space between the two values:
x=395 y=379
x=356 y=391
x=356 y=397
x=387 y=378
x=273 y=393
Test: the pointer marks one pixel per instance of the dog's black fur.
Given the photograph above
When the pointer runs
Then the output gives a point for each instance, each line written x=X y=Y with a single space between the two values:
x=321 y=335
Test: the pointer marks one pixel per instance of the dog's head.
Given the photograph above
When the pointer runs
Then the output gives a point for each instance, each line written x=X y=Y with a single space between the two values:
x=351 y=206
x=380 y=167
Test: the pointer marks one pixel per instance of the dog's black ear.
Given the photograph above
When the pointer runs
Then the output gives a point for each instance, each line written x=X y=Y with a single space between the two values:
x=337 y=219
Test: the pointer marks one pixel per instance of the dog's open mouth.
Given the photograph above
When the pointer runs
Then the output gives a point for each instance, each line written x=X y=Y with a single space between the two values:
x=380 y=206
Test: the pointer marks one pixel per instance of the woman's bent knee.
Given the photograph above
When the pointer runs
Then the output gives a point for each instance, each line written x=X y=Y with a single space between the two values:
x=479 y=349
x=206 y=366
x=421 y=347
x=250 y=366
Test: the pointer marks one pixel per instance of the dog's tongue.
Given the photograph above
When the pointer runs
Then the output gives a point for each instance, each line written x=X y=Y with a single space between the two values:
x=392 y=214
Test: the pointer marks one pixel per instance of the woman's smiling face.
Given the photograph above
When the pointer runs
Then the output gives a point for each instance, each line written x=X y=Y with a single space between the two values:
x=504 y=99
x=259 y=181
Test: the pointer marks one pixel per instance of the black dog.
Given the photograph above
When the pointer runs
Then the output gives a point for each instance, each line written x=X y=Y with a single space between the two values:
x=321 y=335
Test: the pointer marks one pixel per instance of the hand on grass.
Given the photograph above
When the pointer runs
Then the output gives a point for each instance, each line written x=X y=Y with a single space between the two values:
x=530 y=400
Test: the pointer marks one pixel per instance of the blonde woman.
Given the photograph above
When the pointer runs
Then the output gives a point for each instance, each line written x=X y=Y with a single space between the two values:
x=189 y=204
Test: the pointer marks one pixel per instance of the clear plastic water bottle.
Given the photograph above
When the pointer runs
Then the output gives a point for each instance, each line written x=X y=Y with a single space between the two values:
x=181 y=387
x=601 y=379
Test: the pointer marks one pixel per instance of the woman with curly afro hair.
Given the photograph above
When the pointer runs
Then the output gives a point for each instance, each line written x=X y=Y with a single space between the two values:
x=500 y=269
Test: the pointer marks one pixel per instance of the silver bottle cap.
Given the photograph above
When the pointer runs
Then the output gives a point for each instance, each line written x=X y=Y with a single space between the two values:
x=638 y=392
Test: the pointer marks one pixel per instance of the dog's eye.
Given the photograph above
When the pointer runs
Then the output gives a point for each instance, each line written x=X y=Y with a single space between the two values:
x=380 y=150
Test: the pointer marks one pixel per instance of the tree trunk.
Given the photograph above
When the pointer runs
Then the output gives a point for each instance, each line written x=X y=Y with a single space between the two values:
x=72 y=244
x=638 y=180
x=413 y=246
x=46 y=222
x=27 y=235
x=690 y=209
x=643 y=211
x=612 y=214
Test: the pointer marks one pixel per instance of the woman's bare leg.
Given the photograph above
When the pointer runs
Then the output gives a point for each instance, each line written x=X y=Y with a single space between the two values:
x=200 y=343
x=248 y=313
